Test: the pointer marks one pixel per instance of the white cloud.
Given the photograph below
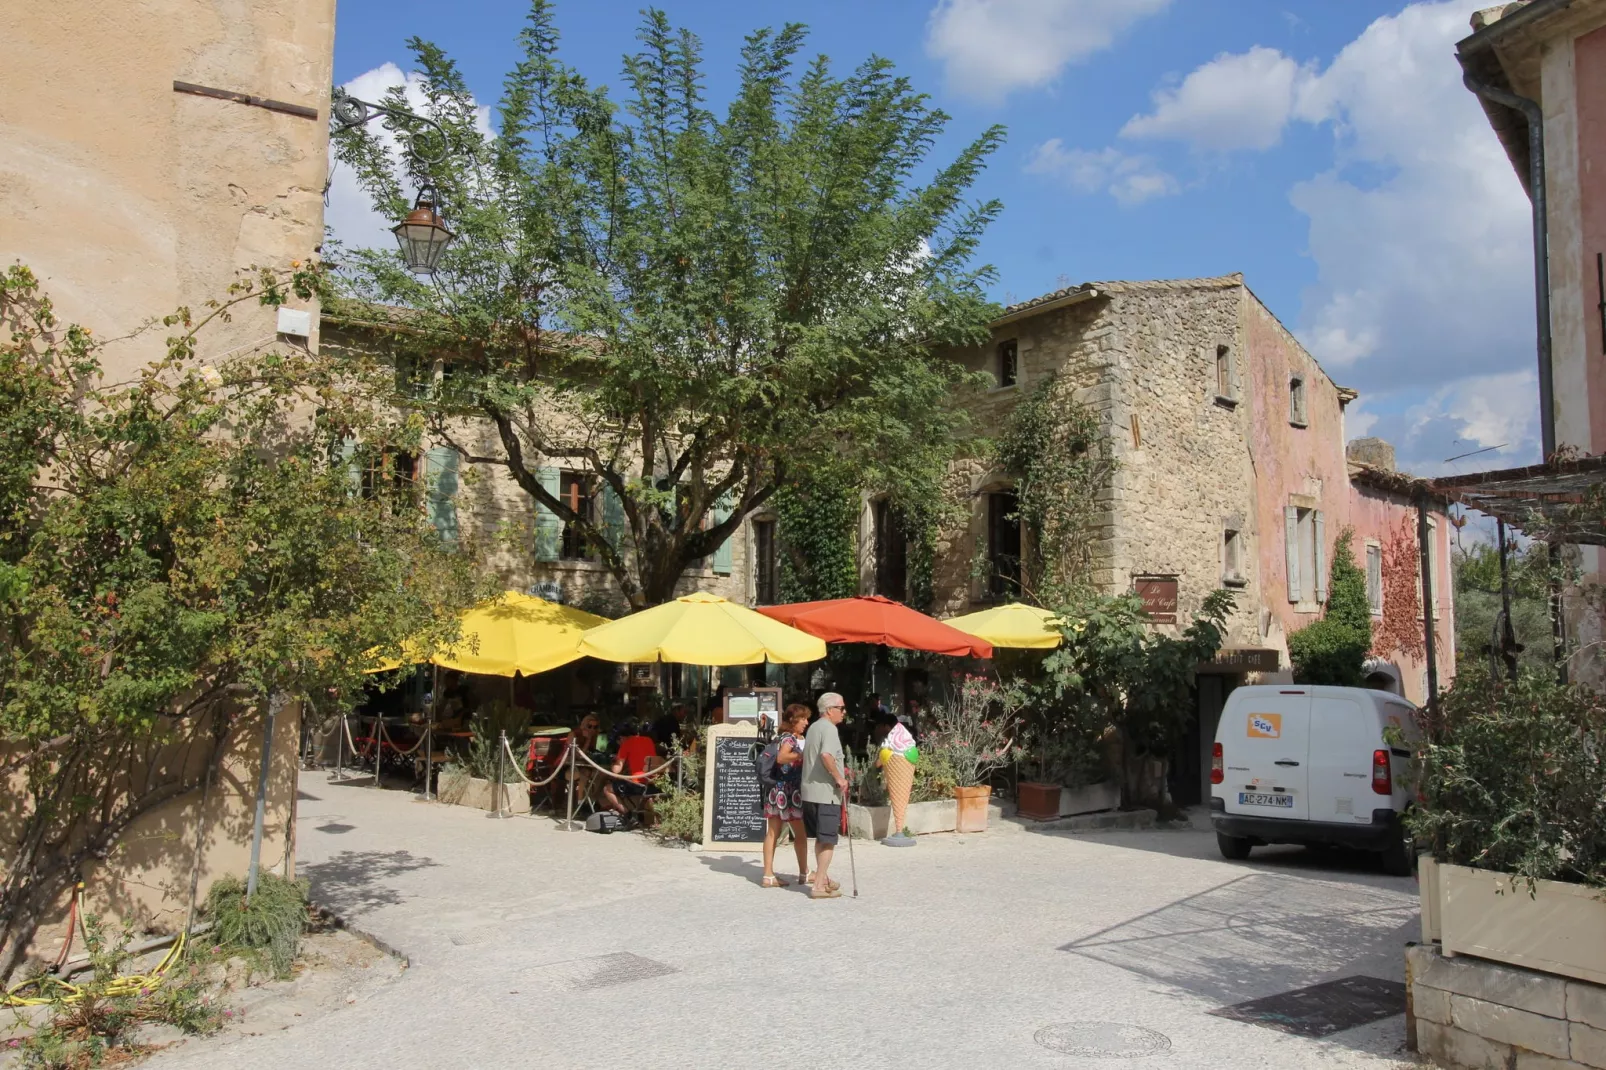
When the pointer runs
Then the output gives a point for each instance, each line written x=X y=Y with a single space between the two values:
x=350 y=215
x=1129 y=179
x=990 y=48
x=1236 y=101
x=1419 y=230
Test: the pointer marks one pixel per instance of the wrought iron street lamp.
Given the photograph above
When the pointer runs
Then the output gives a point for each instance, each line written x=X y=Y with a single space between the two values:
x=423 y=236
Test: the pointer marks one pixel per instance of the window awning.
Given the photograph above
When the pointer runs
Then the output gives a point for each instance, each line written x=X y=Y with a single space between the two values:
x=1552 y=491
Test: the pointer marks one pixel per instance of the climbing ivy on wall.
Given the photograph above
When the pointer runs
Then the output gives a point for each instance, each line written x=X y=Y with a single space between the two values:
x=818 y=519
x=1401 y=626
x=1054 y=446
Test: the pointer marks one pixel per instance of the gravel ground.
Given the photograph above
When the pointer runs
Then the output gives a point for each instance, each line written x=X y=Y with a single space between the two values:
x=535 y=947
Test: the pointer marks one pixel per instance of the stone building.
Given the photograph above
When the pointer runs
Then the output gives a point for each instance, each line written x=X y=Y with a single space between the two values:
x=1232 y=472
x=149 y=156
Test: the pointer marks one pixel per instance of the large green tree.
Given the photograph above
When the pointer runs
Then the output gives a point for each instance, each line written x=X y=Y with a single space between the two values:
x=693 y=309
x=176 y=552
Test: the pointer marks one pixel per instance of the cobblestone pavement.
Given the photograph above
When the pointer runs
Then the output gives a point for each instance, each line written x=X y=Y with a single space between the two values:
x=535 y=947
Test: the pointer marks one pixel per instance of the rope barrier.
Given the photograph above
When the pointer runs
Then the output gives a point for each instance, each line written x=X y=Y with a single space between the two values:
x=626 y=776
x=527 y=781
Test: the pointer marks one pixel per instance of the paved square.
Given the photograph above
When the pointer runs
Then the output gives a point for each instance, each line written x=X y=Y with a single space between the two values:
x=535 y=947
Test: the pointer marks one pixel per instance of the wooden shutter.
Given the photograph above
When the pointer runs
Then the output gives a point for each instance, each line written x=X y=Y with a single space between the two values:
x=1291 y=545
x=1374 y=579
x=440 y=477
x=723 y=554
x=548 y=528
x=613 y=519
x=1320 y=557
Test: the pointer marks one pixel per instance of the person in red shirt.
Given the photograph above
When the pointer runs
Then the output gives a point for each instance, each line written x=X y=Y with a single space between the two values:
x=637 y=758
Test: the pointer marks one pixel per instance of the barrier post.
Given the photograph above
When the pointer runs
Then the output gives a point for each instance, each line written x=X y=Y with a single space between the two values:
x=340 y=748
x=379 y=745
x=568 y=825
x=496 y=788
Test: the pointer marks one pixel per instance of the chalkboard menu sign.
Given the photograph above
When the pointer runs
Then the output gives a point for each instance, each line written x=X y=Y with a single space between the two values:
x=733 y=800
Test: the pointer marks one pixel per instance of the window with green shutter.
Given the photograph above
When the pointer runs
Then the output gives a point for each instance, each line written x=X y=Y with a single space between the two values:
x=440 y=475
x=723 y=554
x=548 y=528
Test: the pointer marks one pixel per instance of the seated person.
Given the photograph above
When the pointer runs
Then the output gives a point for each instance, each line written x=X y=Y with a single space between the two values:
x=668 y=728
x=637 y=759
x=586 y=737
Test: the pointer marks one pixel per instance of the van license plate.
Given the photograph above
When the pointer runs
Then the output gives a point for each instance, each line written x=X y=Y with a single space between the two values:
x=1253 y=798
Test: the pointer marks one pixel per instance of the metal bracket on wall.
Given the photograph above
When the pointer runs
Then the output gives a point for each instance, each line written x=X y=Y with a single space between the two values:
x=300 y=111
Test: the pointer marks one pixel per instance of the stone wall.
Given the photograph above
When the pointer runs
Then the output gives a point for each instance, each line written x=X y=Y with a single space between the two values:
x=1143 y=356
x=129 y=199
x=1474 y=1014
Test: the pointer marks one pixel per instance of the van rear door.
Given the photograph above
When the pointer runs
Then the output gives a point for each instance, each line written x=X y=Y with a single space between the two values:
x=1265 y=745
x=1344 y=735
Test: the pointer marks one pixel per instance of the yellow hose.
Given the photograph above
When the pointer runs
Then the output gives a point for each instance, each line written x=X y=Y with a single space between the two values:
x=66 y=992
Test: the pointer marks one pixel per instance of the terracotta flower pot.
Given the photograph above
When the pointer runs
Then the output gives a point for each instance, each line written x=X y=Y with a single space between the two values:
x=972 y=806
x=1040 y=802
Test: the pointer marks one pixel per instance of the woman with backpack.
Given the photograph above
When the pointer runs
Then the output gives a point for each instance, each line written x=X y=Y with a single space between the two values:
x=781 y=769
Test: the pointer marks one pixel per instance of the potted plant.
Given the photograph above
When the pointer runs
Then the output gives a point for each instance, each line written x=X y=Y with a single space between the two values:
x=1509 y=775
x=977 y=733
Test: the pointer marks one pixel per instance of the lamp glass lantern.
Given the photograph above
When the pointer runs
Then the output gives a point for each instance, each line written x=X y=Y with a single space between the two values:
x=423 y=236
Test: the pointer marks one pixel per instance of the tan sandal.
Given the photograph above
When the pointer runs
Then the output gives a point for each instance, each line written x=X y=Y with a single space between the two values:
x=772 y=881
x=833 y=885
x=829 y=893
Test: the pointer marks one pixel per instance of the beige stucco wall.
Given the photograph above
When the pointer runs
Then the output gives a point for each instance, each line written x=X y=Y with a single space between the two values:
x=130 y=199
x=146 y=878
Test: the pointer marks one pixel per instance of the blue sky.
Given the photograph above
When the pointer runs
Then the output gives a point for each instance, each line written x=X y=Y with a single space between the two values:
x=1324 y=149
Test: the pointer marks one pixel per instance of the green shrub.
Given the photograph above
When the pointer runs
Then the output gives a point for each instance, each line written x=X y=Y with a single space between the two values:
x=1511 y=776
x=272 y=923
x=1333 y=650
x=678 y=811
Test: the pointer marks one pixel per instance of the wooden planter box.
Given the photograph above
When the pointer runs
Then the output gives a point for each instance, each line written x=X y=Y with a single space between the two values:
x=923 y=818
x=1560 y=928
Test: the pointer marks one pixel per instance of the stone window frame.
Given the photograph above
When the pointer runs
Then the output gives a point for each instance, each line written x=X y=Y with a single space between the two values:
x=1012 y=347
x=1233 y=556
x=1298 y=414
x=1226 y=369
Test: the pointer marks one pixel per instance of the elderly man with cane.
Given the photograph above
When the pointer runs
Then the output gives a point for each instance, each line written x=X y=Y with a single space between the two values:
x=825 y=790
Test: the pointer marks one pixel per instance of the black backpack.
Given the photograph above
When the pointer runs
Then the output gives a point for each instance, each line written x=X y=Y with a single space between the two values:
x=766 y=762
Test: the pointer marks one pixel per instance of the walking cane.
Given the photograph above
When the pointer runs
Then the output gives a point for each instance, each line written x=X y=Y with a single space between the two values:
x=853 y=868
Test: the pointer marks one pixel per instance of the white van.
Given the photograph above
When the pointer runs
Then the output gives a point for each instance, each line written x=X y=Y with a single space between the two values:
x=1313 y=766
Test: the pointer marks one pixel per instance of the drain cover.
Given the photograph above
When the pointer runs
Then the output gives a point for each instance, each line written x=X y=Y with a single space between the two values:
x=1102 y=1040
x=620 y=968
x=1324 y=1009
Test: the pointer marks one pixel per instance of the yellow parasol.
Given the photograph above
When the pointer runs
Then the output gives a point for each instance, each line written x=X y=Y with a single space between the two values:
x=1016 y=625
x=700 y=629
x=513 y=633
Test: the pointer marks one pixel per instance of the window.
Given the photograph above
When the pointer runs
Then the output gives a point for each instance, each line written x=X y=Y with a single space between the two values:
x=766 y=576
x=891 y=552
x=1296 y=401
x=1226 y=382
x=1008 y=363
x=389 y=471
x=576 y=490
x=1003 y=546
x=1374 y=578
x=1304 y=538
x=1232 y=557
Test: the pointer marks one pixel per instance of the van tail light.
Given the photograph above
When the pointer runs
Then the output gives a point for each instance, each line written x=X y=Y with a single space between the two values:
x=1218 y=772
x=1382 y=778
